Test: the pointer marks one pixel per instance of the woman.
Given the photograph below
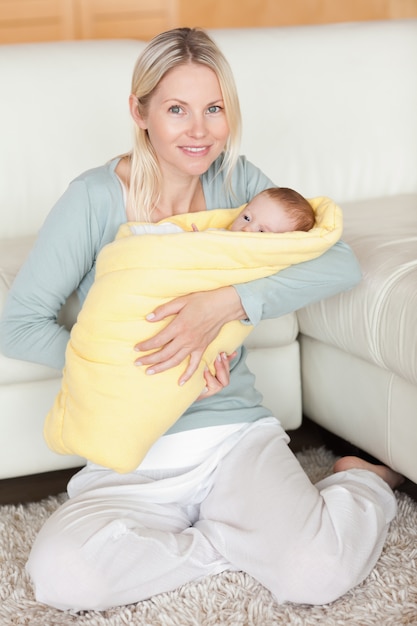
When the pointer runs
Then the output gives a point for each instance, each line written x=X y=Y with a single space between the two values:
x=221 y=490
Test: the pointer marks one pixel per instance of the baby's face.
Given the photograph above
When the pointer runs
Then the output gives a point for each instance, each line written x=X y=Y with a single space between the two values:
x=263 y=215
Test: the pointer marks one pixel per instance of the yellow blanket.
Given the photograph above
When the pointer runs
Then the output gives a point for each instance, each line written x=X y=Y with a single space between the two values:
x=108 y=410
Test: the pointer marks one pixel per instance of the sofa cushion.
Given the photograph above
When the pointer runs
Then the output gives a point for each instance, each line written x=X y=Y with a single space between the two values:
x=377 y=320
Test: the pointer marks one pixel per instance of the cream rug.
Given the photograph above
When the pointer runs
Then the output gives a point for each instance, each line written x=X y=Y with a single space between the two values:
x=387 y=598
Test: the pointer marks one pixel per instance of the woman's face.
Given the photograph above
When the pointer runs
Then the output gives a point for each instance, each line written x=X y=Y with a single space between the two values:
x=186 y=121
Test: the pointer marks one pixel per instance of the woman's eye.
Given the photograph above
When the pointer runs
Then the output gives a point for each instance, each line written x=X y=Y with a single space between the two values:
x=175 y=108
x=214 y=109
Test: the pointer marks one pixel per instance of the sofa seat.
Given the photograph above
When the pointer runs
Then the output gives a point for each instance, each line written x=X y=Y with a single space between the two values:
x=376 y=321
x=359 y=349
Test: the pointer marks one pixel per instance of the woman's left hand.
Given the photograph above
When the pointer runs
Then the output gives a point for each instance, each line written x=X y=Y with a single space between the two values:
x=197 y=320
x=216 y=382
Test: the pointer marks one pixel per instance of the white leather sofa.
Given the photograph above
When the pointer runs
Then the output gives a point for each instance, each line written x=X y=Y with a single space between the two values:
x=329 y=110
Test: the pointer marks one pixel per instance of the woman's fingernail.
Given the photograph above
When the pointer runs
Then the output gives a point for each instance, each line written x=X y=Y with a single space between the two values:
x=150 y=316
x=224 y=356
x=150 y=372
x=138 y=362
x=219 y=357
x=205 y=390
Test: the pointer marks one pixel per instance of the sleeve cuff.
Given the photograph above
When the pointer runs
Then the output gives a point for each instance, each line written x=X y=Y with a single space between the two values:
x=252 y=306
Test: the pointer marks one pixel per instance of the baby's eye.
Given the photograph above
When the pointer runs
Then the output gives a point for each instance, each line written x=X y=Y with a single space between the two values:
x=175 y=108
x=246 y=218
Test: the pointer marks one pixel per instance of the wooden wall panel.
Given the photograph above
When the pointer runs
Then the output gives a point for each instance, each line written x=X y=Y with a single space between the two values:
x=35 y=20
x=139 y=19
x=398 y=9
x=247 y=13
x=47 y=20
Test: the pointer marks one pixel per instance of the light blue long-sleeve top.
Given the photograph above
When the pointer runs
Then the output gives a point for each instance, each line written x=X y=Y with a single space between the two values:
x=87 y=217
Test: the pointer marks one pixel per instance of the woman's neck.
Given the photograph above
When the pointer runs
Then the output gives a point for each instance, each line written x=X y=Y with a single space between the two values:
x=177 y=195
x=180 y=198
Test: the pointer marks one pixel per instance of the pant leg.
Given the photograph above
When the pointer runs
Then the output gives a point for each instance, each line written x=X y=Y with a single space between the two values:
x=108 y=546
x=123 y=538
x=106 y=549
x=306 y=543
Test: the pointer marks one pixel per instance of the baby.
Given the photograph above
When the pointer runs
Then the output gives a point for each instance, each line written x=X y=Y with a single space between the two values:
x=275 y=210
x=136 y=275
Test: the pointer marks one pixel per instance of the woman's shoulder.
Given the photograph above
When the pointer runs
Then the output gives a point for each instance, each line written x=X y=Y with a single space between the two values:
x=91 y=208
x=247 y=180
x=101 y=176
x=102 y=191
x=217 y=170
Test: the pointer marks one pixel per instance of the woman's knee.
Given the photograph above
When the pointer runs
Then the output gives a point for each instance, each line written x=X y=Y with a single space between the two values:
x=62 y=578
x=316 y=585
x=319 y=575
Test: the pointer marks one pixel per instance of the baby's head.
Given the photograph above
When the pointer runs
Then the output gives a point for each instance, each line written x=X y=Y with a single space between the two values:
x=275 y=210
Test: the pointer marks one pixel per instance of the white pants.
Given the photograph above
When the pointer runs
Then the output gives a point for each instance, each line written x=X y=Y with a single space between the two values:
x=122 y=538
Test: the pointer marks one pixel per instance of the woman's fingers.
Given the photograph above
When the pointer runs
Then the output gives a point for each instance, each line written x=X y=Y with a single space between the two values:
x=166 y=335
x=187 y=334
x=166 y=358
x=193 y=363
x=223 y=370
x=195 y=320
x=214 y=383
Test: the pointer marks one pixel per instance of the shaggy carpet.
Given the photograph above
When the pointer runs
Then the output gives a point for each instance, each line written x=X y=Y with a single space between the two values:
x=388 y=597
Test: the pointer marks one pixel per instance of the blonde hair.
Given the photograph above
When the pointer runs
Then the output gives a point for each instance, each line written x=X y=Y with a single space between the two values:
x=164 y=52
x=295 y=205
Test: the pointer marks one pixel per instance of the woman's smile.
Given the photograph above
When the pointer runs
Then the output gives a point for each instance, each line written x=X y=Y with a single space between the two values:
x=195 y=150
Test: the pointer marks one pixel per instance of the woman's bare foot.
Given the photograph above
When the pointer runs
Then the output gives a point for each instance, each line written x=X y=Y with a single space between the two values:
x=394 y=479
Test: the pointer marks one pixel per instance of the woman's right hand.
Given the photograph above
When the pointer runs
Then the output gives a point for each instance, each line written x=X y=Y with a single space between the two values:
x=197 y=319
x=216 y=382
